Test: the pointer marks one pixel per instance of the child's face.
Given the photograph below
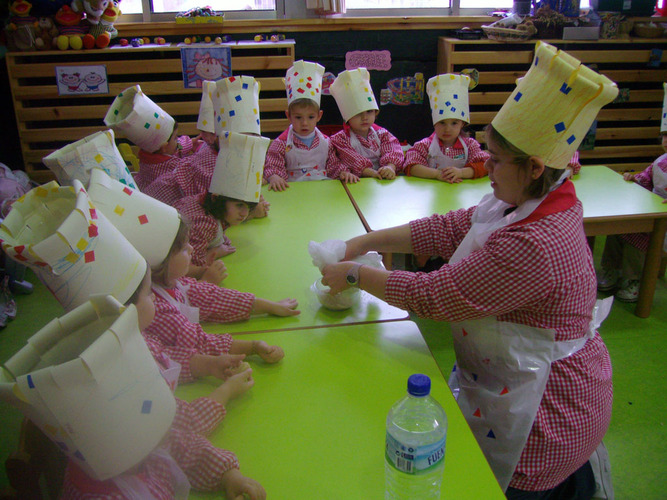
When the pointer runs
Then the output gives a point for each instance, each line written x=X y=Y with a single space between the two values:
x=664 y=142
x=304 y=119
x=508 y=180
x=448 y=130
x=236 y=212
x=145 y=303
x=171 y=146
x=179 y=264
x=362 y=123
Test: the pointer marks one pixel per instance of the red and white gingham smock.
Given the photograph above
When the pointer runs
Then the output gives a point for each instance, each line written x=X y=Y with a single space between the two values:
x=275 y=155
x=153 y=165
x=418 y=154
x=538 y=272
x=351 y=161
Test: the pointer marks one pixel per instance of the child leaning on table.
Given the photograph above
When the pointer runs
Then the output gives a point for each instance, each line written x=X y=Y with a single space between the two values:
x=448 y=154
x=302 y=152
x=364 y=148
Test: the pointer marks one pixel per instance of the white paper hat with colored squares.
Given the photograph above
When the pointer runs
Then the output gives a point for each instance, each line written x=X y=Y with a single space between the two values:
x=232 y=104
x=72 y=247
x=663 y=124
x=148 y=224
x=553 y=106
x=142 y=121
x=304 y=81
x=353 y=92
x=448 y=95
x=239 y=167
x=89 y=382
x=76 y=160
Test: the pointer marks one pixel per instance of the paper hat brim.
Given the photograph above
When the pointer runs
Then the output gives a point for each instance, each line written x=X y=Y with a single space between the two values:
x=353 y=93
x=89 y=382
x=70 y=245
x=663 y=124
x=448 y=96
x=239 y=167
x=148 y=224
x=76 y=160
x=142 y=121
x=304 y=81
x=553 y=106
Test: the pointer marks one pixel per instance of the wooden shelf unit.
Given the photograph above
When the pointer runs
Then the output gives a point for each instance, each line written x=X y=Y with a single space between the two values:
x=47 y=121
x=627 y=135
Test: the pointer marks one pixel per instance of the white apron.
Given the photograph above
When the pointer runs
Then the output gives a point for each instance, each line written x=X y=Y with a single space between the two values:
x=306 y=164
x=659 y=179
x=438 y=160
x=190 y=312
x=502 y=368
x=219 y=238
x=371 y=154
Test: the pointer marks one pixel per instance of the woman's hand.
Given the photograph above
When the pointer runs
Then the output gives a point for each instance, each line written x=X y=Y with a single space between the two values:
x=355 y=247
x=335 y=276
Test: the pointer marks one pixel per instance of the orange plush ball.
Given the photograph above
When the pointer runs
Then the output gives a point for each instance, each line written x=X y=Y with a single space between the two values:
x=88 y=41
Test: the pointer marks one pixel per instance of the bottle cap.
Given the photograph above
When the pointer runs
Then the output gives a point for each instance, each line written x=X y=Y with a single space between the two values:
x=419 y=385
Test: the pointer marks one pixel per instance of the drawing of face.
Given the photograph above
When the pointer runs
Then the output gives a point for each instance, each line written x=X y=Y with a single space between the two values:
x=93 y=79
x=209 y=68
x=70 y=79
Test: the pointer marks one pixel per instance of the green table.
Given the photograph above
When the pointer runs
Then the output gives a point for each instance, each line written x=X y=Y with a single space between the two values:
x=313 y=426
x=272 y=259
x=611 y=206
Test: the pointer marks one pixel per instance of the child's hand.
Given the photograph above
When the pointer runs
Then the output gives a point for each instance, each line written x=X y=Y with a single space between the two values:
x=233 y=387
x=220 y=251
x=348 y=177
x=628 y=176
x=208 y=137
x=285 y=307
x=452 y=175
x=261 y=210
x=221 y=366
x=239 y=487
x=369 y=172
x=277 y=183
x=215 y=272
x=387 y=172
x=269 y=353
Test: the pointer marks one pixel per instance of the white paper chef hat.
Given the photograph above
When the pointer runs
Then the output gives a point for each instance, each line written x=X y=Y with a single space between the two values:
x=448 y=95
x=663 y=124
x=230 y=105
x=89 y=382
x=239 y=167
x=72 y=247
x=148 y=224
x=353 y=92
x=304 y=81
x=98 y=150
x=553 y=106
x=141 y=120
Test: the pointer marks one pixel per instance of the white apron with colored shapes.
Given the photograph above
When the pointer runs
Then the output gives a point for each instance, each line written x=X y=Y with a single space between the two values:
x=659 y=179
x=306 y=164
x=190 y=312
x=440 y=161
x=502 y=368
x=371 y=154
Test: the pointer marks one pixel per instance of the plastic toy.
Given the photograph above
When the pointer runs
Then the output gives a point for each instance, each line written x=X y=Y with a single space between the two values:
x=259 y=38
x=277 y=38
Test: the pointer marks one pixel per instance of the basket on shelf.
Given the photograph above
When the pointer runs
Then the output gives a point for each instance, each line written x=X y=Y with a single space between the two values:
x=509 y=34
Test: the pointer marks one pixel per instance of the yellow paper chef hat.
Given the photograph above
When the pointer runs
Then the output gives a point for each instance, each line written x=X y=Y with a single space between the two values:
x=72 y=247
x=663 y=125
x=304 y=81
x=230 y=105
x=98 y=150
x=148 y=224
x=142 y=121
x=89 y=382
x=239 y=167
x=353 y=92
x=448 y=95
x=553 y=106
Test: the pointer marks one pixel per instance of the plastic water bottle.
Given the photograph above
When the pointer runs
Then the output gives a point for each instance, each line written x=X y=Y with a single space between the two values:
x=415 y=446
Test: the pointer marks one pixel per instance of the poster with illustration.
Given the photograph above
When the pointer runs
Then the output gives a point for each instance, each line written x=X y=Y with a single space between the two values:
x=404 y=90
x=77 y=80
x=205 y=63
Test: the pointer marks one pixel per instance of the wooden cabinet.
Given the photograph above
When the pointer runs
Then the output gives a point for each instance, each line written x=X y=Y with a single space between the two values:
x=627 y=134
x=47 y=121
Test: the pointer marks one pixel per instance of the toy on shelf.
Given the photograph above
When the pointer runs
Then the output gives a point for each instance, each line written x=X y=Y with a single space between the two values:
x=199 y=15
x=46 y=34
x=70 y=27
x=21 y=26
x=101 y=33
x=277 y=37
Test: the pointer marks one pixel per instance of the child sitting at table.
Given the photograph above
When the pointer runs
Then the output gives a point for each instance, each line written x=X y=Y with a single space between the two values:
x=364 y=148
x=448 y=154
x=302 y=152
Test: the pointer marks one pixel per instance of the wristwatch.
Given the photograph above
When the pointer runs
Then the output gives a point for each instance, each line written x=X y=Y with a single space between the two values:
x=352 y=277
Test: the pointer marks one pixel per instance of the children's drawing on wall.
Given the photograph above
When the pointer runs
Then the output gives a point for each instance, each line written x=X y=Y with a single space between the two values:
x=201 y=64
x=404 y=90
x=82 y=80
x=379 y=60
x=327 y=79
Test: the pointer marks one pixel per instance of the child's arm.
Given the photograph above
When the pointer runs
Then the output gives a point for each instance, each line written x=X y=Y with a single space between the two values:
x=573 y=164
x=417 y=155
x=221 y=366
x=285 y=307
x=275 y=171
x=217 y=304
x=352 y=161
x=454 y=175
x=424 y=172
x=476 y=158
x=269 y=353
x=391 y=154
x=643 y=178
x=239 y=487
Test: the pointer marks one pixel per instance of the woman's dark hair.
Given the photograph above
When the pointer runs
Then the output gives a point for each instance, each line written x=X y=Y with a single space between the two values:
x=216 y=205
x=161 y=271
x=538 y=187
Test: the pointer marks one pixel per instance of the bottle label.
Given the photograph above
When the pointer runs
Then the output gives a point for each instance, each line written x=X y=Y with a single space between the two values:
x=414 y=459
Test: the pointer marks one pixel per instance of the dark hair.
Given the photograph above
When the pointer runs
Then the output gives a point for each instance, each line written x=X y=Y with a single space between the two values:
x=303 y=102
x=538 y=187
x=135 y=296
x=216 y=205
x=161 y=271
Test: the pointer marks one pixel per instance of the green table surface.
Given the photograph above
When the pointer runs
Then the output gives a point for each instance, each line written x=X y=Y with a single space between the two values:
x=313 y=426
x=272 y=259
